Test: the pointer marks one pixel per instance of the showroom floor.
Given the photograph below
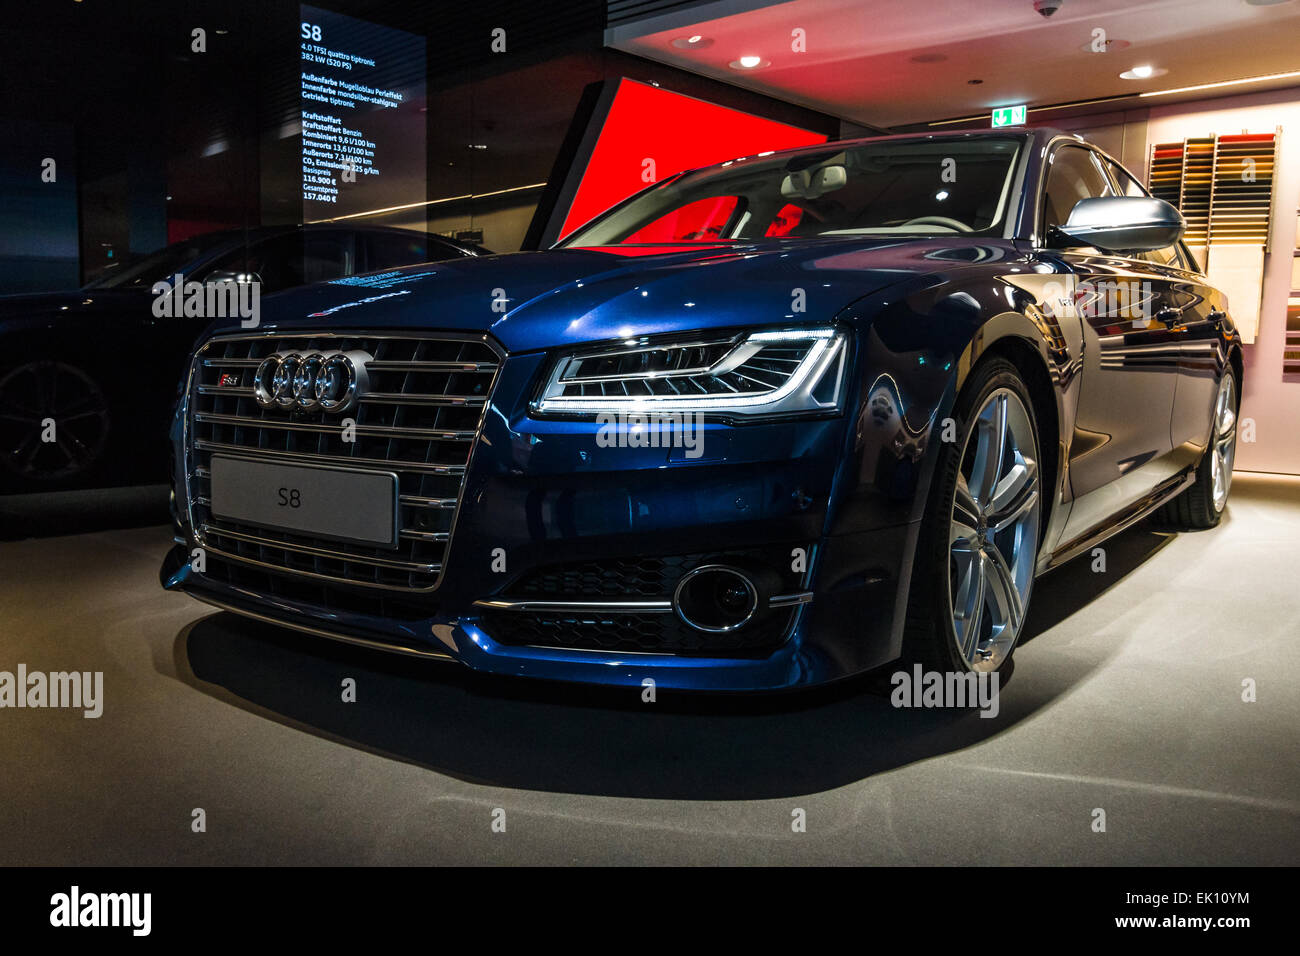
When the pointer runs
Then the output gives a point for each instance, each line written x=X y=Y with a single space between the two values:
x=1127 y=698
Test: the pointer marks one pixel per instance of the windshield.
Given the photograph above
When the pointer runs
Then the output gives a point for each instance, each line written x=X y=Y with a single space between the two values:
x=931 y=187
x=159 y=266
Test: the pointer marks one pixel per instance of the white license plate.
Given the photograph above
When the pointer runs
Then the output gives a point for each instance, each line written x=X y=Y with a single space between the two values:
x=341 y=504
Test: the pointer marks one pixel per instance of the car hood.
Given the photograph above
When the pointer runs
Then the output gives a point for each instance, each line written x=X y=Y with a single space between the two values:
x=537 y=300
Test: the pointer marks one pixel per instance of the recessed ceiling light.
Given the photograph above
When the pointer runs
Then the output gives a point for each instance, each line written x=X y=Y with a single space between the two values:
x=693 y=42
x=749 y=62
x=1143 y=72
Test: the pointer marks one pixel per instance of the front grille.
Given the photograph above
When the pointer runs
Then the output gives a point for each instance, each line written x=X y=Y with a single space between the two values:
x=419 y=418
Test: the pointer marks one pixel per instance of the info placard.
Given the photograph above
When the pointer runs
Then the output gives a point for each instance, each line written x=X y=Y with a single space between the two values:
x=362 y=115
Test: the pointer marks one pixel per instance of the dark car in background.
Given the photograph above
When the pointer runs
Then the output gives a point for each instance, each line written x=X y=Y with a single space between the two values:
x=763 y=425
x=101 y=366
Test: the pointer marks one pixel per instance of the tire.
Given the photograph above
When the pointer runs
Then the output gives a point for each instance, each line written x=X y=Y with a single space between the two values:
x=960 y=531
x=49 y=397
x=1200 y=506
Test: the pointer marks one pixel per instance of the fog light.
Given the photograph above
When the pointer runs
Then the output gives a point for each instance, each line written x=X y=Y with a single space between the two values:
x=715 y=598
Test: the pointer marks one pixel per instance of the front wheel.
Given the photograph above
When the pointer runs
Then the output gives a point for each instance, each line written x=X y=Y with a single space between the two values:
x=978 y=544
x=54 y=425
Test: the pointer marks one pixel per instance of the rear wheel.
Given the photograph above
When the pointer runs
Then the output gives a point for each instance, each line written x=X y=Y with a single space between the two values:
x=1202 y=504
x=978 y=544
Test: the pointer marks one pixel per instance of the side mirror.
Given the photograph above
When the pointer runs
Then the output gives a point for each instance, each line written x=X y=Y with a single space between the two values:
x=1122 y=224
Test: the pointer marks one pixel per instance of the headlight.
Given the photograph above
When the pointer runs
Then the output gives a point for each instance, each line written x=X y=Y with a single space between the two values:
x=776 y=372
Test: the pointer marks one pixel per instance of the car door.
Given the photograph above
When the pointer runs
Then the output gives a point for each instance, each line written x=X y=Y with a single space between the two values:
x=1197 y=329
x=1121 y=447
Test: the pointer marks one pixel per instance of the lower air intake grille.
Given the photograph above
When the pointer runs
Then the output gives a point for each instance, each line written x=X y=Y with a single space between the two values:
x=631 y=579
x=631 y=633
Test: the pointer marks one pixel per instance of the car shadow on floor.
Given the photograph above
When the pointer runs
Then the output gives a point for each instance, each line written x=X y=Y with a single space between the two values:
x=543 y=736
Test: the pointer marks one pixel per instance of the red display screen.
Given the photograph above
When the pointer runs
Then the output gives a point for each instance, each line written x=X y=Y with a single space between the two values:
x=650 y=134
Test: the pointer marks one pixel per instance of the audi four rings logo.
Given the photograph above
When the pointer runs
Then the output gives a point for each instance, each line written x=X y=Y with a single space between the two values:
x=329 y=381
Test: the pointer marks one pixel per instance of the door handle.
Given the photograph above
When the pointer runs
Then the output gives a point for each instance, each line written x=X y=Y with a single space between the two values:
x=1169 y=316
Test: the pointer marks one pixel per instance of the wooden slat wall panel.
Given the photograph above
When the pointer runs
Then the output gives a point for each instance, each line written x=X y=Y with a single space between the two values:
x=1223 y=186
x=1243 y=189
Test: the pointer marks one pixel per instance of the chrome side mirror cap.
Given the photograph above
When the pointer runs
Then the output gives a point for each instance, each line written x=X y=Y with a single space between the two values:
x=1122 y=224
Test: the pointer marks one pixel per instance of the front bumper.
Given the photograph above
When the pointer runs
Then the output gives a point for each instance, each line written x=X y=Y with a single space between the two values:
x=543 y=494
x=846 y=628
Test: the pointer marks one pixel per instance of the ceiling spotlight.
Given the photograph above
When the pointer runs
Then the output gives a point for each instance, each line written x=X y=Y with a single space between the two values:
x=693 y=42
x=1143 y=72
x=748 y=62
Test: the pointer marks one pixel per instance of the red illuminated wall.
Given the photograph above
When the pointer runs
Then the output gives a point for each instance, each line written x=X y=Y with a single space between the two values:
x=677 y=132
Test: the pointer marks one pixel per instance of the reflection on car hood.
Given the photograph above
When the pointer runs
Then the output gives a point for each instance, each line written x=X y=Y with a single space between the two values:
x=534 y=300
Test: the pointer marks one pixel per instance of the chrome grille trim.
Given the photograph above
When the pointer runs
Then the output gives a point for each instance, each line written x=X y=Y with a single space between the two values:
x=407 y=426
x=300 y=458
x=376 y=430
x=309 y=549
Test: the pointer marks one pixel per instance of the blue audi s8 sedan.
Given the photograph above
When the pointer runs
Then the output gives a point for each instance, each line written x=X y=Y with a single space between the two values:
x=762 y=425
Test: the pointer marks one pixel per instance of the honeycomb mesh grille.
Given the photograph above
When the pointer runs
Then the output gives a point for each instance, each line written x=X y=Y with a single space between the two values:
x=631 y=578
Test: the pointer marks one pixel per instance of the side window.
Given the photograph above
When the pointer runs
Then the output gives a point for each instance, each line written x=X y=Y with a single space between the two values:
x=327 y=256
x=1127 y=183
x=299 y=258
x=293 y=259
x=1168 y=256
x=391 y=250
x=1074 y=175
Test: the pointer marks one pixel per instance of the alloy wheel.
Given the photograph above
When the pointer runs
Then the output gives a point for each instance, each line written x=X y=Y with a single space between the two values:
x=1225 y=441
x=993 y=539
x=43 y=390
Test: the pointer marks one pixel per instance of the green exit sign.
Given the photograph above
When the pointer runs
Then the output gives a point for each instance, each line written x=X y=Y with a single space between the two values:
x=1009 y=116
